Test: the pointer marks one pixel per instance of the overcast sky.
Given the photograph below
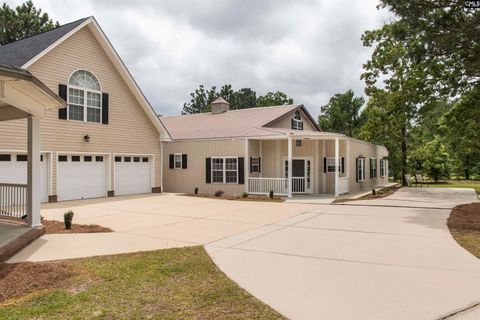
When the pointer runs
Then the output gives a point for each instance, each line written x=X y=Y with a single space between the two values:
x=308 y=49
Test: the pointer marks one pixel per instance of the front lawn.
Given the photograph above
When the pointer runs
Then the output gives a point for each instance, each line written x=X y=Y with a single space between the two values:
x=180 y=283
x=474 y=184
x=464 y=225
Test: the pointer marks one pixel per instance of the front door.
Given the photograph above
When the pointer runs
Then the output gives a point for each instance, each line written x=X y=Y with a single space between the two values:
x=301 y=175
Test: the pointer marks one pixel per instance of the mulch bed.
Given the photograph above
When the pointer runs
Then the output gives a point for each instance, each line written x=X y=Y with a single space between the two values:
x=22 y=278
x=385 y=192
x=239 y=198
x=465 y=216
x=52 y=226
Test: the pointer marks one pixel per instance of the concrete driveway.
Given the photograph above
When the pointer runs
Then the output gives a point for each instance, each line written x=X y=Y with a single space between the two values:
x=150 y=222
x=381 y=259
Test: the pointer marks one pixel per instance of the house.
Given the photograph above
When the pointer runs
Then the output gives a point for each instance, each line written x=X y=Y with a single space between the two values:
x=105 y=142
x=251 y=150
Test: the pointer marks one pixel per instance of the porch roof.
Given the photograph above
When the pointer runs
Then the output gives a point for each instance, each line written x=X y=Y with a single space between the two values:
x=22 y=94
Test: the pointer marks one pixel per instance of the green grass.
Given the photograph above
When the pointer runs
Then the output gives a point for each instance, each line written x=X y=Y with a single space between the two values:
x=475 y=186
x=180 y=283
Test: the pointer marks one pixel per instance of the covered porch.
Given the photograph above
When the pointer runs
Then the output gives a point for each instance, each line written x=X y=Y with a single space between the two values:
x=320 y=162
x=22 y=96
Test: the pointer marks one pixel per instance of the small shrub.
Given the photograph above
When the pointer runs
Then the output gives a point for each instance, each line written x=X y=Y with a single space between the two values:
x=218 y=193
x=67 y=218
x=374 y=192
x=271 y=194
x=244 y=195
x=196 y=191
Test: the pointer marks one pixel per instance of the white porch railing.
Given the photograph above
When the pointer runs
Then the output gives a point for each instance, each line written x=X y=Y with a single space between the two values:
x=343 y=185
x=13 y=200
x=279 y=186
x=299 y=185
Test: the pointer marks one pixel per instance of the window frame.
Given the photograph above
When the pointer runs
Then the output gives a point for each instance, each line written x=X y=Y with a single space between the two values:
x=255 y=166
x=297 y=122
x=360 y=168
x=339 y=164
x=177 y=161
x=85 y=105
x=223 y=170
x=383 y=167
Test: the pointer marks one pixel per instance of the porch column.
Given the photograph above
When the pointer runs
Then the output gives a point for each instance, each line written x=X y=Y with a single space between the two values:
x=33 y=172
x=289 y=159
x=324 y=175
x=247 y=164
x=337 y=161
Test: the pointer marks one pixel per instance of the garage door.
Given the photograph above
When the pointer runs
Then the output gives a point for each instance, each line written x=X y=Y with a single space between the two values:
x=13 y=169
x=133 y=174
x=81 y=176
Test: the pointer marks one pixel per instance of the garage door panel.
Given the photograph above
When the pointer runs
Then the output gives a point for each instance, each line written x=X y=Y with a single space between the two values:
x=81 y=179
x=133 y=176
x=13 y=169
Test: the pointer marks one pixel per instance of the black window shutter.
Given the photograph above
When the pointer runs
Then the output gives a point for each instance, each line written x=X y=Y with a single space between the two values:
x=259 y=164
x=324 y=165
x=105 y=108
x=241 y=171
x=251 y=166
x=208 y=170
x=184 y=161
x=371 y=168
x=171 y=164
x=301 y=125
x=62 y=93
x=343 y=165
x=356 y=169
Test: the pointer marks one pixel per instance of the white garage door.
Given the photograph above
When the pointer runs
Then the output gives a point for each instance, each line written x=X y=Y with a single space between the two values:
x=13 y=169
x=81 y=176
x=133 y=174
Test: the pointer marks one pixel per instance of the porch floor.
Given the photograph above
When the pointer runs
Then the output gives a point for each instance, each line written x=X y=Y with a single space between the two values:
x=320 y=198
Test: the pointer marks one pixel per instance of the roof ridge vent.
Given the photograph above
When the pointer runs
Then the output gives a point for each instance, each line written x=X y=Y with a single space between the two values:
x=220 y=105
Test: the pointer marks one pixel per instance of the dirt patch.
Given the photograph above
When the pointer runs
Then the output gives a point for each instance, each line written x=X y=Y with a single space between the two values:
x=465 y=216
x=52 y=226
x=239 y=198
x=22 y=278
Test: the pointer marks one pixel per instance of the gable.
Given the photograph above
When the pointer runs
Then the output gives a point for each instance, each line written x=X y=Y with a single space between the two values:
x=127 y=119
x=91 y=24
x=284 y=121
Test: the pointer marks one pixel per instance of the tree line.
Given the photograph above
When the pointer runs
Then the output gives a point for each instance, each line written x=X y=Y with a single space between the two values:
x=202 y=98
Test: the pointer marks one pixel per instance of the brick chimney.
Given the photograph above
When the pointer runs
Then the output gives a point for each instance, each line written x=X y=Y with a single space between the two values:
x=220 y=106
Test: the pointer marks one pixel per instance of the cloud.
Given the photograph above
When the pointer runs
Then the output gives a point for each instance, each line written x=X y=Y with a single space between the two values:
x=308 y=49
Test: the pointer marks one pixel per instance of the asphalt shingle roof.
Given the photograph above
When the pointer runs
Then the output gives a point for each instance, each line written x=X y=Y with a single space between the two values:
x=230 y=124
x=18 y=53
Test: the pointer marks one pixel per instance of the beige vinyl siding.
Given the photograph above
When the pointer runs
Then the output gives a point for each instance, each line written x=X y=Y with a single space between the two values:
x=186 y=180
x=286 y=122
x=129 y=130
x=368 y=151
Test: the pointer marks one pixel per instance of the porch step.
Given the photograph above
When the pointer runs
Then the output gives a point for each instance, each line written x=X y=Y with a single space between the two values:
x=17 y=238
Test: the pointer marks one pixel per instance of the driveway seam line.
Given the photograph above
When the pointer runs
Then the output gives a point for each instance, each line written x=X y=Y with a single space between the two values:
x=350 y=261
x=454 y=313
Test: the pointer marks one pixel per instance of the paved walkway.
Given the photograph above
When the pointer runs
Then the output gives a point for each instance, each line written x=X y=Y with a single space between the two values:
x=382 y=259
x=151 y=222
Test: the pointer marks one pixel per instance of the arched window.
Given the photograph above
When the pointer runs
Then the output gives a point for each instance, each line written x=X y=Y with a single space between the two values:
x=84 y=97
x=297 y=123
